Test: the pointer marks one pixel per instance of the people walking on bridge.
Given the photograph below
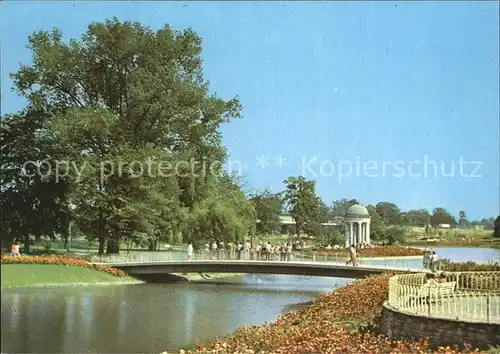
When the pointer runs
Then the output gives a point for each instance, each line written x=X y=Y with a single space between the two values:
x=433 y=261
x=190 y=251
x=247 y=250
x=215 y=250
x=229 y=250
x=239 y=249
x=288 y=252
x=269 y=249
x=352 y=255
x=222 y=250
x=206 y=251
x=258 y=251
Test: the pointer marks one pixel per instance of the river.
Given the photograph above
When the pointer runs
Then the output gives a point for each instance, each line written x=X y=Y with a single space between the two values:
x=140 y=318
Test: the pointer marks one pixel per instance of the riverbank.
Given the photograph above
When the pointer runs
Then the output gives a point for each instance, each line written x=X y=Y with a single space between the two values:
x=36 y=275
x=340 y=321
x=206 y=277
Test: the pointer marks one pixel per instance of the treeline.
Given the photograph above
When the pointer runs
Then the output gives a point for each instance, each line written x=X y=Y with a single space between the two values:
x=388 y=222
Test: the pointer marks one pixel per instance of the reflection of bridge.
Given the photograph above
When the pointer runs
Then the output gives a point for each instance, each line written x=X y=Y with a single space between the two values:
x=312 y=268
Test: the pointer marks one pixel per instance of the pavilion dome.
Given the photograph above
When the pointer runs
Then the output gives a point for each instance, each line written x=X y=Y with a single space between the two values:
x=357 y=211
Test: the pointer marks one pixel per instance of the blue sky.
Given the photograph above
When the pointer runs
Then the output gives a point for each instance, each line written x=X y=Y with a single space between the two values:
x=352 y=82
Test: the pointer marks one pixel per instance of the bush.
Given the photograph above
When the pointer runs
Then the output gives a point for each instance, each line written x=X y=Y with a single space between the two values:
x=62 y=260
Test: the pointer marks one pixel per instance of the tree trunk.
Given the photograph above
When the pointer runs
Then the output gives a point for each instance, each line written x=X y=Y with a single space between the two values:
x=113 y=246
x=7 y=241
x=101 y=232
x=26 y=243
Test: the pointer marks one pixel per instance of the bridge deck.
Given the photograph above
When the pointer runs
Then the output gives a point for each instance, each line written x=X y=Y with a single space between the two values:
x=311 y=268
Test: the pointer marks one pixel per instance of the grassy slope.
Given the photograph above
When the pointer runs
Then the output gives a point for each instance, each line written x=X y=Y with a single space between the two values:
x=14 y=275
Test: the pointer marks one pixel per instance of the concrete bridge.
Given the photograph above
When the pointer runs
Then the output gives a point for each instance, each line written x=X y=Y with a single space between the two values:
x=161 y=268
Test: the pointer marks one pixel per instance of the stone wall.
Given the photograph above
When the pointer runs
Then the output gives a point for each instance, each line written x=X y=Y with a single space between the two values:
x=440 y=332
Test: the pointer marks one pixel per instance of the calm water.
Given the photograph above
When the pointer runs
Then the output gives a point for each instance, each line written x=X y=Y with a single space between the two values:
x=143 y=318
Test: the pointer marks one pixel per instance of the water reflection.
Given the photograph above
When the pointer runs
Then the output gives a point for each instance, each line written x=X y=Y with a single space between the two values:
x=145 y=317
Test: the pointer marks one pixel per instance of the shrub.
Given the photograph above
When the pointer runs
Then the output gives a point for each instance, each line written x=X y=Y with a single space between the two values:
x=62 y=260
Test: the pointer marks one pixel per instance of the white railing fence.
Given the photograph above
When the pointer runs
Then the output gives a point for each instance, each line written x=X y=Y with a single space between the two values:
x=470 y=296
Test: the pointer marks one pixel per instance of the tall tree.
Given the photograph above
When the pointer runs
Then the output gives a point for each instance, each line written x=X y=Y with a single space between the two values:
x=339 y=207
x=420 y=217
x=268 y=208
x=33 y=202
x=389 y=212
x=303 y=204
x=377 y=226
x=225 y=214
x=123 y=92
x=462 y=218
x=496 y=232
x=441 y=216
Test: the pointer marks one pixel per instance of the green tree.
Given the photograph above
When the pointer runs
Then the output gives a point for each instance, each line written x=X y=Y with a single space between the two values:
x=389 y=212
x=303 y=204
x=441 y=216
x=268 y=208
x=225 y=214
x=395 y=234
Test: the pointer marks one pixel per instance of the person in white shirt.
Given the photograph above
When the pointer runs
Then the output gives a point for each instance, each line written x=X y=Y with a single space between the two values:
x=190 y=251
x=214 y=250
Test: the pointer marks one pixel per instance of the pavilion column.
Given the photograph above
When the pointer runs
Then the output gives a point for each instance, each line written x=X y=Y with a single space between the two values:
x=347 y=234
x=368 y=241
x=351 y=233
x=362 y=228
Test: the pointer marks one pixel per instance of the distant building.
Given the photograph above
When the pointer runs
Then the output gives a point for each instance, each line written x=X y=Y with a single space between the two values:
x=444 y=226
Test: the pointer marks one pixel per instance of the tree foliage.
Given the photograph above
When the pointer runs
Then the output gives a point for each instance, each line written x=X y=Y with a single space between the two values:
x=268 y=209
x=110 y=103
x=303 y=204
x=441 y=216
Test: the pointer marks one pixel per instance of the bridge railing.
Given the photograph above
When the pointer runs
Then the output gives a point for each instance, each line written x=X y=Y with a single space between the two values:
x=172 y=256
x=469 y=296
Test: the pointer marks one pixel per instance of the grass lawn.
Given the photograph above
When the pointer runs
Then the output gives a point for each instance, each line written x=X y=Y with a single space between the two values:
x=16 y=275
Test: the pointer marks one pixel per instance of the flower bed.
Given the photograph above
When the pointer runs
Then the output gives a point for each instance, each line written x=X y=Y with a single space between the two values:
x=61 y=260
x=329 y=325
x=449 y=266
x=379 y=251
